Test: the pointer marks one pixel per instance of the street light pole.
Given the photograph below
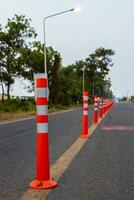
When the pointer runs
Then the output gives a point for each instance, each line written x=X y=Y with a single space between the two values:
x=127 y=97
x=45 y=52
x=76 y=9
x=93 y=87
x=83 y=78
x=99 y=92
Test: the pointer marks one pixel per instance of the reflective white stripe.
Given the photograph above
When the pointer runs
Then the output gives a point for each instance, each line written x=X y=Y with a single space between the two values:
x=95 y=108
x=42 y=110
x=42 y=127
x=85 y=105
x=96 y=104
x=85 y=112
x=85 y=97
x=41 y=92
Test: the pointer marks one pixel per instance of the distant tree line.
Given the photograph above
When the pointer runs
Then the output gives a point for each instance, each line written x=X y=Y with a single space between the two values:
x=21 y=56
x=127 y=99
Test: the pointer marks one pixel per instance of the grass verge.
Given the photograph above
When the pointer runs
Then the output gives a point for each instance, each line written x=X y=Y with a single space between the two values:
x=8 y=113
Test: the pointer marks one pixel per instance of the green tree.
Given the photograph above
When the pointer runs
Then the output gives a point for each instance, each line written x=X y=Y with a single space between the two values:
x=132 y=99
x=70 y=85
x=97 y=67
x=34 y=63
x=13 y=38
x=65 y=83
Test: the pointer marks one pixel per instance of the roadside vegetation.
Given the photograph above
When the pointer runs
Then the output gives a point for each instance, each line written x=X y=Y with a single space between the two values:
x=17 y=105
x=132 y=99
x=21 y=55
x=127 y=99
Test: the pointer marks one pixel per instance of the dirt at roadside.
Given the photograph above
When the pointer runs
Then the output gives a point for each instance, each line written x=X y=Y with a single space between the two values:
x=13 y=116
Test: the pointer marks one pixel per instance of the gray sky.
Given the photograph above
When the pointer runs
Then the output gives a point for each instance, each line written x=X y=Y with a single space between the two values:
x=105 y=23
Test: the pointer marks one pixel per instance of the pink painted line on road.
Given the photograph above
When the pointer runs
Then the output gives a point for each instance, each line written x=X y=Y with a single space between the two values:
x=117 y=128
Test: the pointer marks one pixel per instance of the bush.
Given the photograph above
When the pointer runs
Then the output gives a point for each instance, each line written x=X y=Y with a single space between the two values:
x=23 y=105
x=17 y=105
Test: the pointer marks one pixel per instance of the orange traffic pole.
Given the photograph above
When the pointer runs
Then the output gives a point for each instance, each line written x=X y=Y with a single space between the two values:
x=84 y=133
x=95 y=110
x=42 y=179
x=105 y=106
x=101 y=107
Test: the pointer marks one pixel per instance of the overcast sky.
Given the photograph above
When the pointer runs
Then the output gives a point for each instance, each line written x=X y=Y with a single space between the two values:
x=105 y=23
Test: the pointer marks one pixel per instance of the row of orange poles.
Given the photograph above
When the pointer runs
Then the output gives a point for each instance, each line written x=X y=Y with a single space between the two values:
x=101 y=107
x=43 y=179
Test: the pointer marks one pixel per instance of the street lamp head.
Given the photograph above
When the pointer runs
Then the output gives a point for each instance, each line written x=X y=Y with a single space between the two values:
x=77 y=9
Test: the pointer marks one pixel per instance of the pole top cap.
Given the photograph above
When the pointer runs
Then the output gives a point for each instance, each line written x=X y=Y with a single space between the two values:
x=85 y=93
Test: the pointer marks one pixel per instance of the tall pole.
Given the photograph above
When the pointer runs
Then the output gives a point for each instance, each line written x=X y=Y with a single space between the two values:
x=127 y=97
x=83 y=78
x=93 y=87
x=99 y=92
x=45 y=53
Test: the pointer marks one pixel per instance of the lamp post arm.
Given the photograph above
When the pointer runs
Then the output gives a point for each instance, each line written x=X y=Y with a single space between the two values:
x=59 y=13
x=44 y=27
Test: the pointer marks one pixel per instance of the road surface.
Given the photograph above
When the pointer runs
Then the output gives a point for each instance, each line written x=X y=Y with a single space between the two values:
x=104 y=168
x=17 y=149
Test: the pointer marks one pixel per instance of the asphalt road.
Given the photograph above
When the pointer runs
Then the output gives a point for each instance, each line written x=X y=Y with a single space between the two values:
x=104 y=168
x=17 y=149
